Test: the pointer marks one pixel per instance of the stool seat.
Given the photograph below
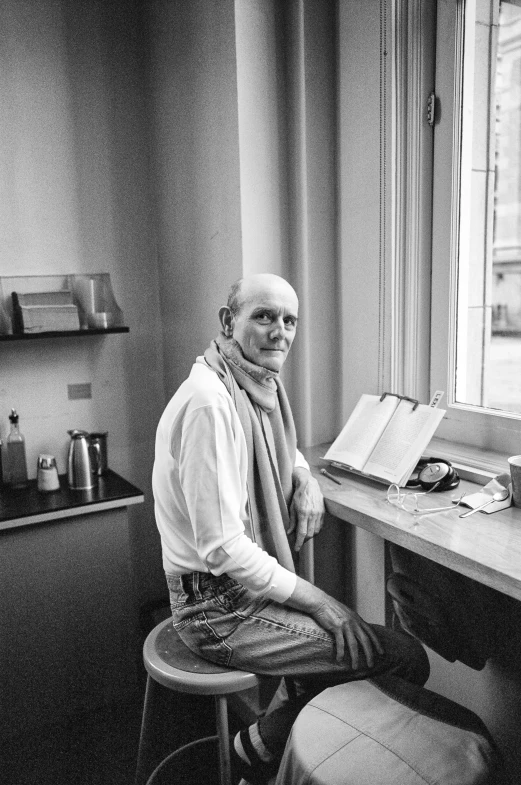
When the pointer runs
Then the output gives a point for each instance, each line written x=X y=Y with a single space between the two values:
x=171 y=663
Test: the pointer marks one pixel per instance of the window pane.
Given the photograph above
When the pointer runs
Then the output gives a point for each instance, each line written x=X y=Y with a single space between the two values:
x=488 y=351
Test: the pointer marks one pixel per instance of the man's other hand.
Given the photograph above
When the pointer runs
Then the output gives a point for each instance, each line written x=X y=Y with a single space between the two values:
x=307 y=507
x=353 y=636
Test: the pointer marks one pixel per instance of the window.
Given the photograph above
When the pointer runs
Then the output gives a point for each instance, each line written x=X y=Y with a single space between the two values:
x=476 y=254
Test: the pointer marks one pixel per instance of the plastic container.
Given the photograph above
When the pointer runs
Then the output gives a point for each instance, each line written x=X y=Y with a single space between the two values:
x=97 y=305
x=47 y=479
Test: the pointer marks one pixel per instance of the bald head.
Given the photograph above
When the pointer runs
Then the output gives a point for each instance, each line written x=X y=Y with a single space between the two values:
x=261 y=315
x=255 y=285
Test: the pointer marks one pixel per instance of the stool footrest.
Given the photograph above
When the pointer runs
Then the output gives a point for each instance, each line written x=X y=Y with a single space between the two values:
x=191 y=745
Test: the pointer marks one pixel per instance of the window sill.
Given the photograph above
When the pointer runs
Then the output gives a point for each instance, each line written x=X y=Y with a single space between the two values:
x=472 y=463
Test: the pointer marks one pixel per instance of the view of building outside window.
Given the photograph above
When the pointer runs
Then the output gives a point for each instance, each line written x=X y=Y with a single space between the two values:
x=505 y=356
x=488 y=312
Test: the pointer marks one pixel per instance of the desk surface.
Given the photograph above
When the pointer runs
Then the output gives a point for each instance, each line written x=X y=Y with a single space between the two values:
x=484 y=547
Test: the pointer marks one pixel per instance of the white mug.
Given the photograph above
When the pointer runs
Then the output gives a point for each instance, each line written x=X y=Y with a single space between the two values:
x=515 y=473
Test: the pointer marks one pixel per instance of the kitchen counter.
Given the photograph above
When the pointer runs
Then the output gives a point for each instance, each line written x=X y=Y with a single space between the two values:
x=25 y=506
x=67 y=606
x=484 y=547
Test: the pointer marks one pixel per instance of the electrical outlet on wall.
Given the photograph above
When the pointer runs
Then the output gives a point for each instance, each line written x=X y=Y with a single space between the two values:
x=77 y=392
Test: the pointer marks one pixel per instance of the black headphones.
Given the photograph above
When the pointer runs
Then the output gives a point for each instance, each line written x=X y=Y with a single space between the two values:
x=434 y=474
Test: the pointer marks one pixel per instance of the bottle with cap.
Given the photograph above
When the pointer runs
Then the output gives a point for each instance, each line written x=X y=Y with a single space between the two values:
x=16 y=460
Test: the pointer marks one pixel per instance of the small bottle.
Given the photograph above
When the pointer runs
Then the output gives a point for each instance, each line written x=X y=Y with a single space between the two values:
x=16 y=461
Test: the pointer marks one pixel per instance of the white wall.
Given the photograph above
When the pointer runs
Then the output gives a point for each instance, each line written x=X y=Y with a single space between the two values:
x=363 y=249
x=196 y=176
x=243 y=106
x=263 y=144
x=76 y=198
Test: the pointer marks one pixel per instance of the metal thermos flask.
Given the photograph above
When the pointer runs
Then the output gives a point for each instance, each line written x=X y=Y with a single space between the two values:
x=80 y=463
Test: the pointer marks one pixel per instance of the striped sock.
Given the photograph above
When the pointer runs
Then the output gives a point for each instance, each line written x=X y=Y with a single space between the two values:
x=250 y=746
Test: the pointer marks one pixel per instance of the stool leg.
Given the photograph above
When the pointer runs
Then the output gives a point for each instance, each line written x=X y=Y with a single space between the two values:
x=147 y=732
x=225 y=769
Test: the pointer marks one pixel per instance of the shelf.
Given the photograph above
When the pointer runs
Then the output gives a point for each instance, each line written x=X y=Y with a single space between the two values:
x=37 y=306
x=63 y=334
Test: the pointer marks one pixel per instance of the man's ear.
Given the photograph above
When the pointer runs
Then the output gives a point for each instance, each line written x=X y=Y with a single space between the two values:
x=226 y=320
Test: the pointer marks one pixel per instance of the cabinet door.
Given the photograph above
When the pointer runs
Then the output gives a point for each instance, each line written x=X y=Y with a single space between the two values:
x=68 y=641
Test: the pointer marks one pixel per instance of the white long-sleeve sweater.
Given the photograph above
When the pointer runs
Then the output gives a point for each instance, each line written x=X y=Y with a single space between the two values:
x=199 y=485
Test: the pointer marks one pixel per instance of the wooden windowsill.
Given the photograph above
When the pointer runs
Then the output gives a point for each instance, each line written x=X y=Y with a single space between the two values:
x=484 y=547
x=472 y=463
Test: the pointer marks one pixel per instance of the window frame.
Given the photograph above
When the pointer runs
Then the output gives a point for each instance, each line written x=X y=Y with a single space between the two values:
x=413 y=37
x=486 y=429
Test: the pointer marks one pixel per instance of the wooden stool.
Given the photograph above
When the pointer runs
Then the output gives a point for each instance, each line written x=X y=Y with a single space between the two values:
x=171 y=664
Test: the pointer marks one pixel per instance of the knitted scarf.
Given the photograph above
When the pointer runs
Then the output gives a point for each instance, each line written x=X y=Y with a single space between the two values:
x=267 y=422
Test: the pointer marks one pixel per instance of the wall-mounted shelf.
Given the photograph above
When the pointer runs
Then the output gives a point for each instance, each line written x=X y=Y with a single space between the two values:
x=48 y=306
x=63 y=334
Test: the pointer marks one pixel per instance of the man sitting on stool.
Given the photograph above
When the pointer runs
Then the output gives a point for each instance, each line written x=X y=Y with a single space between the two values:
x=233 y=498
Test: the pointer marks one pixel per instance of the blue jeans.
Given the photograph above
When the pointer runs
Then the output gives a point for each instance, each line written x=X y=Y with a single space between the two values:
x=222 y=621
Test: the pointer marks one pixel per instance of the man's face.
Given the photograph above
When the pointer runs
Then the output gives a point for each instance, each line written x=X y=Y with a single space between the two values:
x=266 y=323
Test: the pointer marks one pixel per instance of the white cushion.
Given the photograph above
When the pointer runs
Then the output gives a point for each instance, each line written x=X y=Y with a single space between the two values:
x=358 y=734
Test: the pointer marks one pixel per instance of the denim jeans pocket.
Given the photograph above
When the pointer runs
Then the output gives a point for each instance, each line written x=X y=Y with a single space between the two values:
x=237 y=599
x=205 y=628
x=205 y=625
x=178 y=596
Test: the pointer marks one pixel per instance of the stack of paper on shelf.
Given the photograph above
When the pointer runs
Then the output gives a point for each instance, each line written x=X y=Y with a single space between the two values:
x=44 y=312
x=385 y=438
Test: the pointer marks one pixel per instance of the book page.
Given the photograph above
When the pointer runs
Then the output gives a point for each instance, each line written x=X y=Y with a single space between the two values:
x=403 y=442
x=360 y=434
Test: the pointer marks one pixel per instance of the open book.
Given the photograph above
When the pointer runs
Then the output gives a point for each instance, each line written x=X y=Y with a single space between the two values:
x=385 y=438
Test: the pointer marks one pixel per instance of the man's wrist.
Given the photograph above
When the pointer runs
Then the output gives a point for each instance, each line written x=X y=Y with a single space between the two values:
x=306 y=597
x=300 y=474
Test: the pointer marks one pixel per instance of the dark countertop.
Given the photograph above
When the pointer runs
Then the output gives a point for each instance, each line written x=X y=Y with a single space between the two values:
x=24 y=506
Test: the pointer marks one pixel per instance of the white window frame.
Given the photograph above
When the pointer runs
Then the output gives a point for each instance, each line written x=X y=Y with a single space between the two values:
x=413 y=37
x=487 y=430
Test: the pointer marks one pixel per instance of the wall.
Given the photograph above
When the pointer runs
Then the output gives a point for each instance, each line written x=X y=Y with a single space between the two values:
x=364 y=275
x=196 y=153
x=263 y=143
x=244 y=127
x=76 y=198
x=363 y=246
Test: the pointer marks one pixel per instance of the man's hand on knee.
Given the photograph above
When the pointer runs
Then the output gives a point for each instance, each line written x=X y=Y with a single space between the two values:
x=307 y=507
x=352 y=635
x=350 y=631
